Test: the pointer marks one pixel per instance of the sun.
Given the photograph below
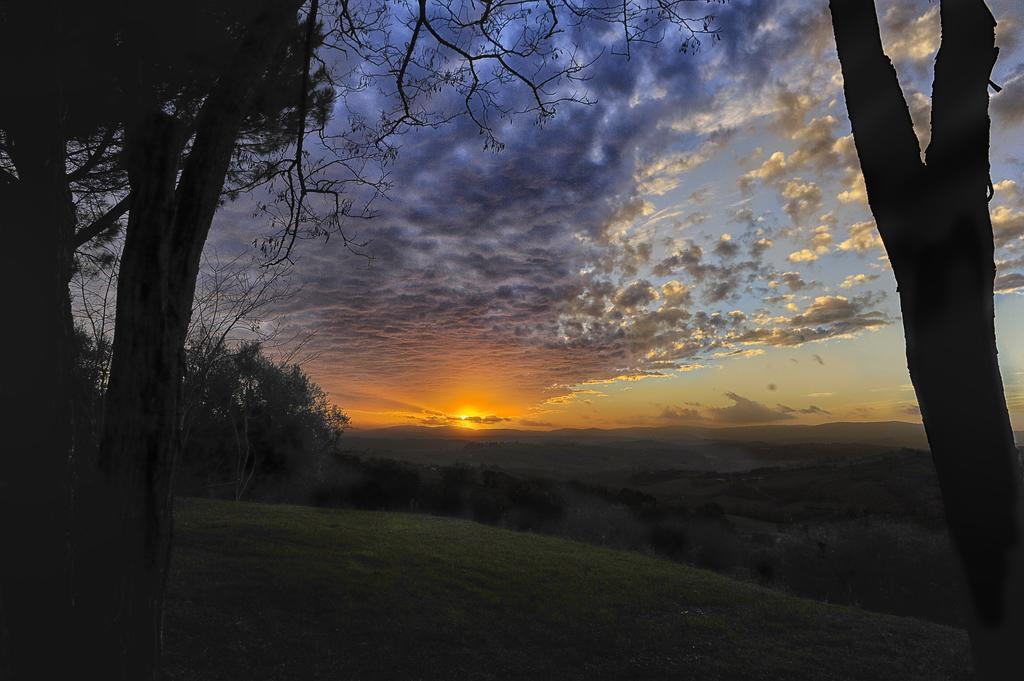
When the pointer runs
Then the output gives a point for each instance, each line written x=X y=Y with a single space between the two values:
x=467 y=416
x=464 y=412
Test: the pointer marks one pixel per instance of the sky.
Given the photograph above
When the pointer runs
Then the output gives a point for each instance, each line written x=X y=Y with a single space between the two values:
x=694 y=247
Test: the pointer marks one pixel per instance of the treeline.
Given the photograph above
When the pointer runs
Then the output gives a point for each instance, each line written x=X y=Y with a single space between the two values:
x=250 y=426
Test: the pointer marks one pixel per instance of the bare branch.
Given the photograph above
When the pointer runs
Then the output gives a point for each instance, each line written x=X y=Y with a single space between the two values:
x=102 y=224
x=879 y=113
x=500 y=58
x=95 y=157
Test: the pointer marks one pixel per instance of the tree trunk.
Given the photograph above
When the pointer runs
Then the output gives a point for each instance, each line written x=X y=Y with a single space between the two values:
x=37 y=225
x=933 y=218
x=170 y=217
x=133 y=502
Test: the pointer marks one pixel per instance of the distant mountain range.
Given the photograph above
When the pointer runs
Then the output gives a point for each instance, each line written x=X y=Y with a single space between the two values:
x=595 y=453
x=880 y=433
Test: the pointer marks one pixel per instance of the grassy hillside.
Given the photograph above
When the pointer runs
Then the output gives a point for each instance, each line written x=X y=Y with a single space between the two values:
x=286 y=592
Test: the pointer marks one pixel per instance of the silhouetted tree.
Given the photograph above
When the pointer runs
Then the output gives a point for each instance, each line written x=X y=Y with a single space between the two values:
x=230 y=295
x=934 y=221
x=70 y=150
x=182 y=126
x=258 y=426
x=54 y=98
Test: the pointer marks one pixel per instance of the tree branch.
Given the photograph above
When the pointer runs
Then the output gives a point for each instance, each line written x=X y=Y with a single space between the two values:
x=958 y=155
x=102 y=223
x=6 y=178
x=94 y=158
x=300 y=137
x=218 y=126
x=883 y=133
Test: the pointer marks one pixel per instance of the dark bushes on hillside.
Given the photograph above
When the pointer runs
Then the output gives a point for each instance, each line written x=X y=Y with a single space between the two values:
x=879 y=563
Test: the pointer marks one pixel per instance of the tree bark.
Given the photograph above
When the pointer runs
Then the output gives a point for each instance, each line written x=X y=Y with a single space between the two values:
x=37 y=226
x=934 y=221
x=170 y=217
x=129 y=556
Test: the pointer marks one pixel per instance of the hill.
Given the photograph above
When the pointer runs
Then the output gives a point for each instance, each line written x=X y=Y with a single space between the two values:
x=583 y=453
x=286 y=592
x=882 y=433
x=897 y=483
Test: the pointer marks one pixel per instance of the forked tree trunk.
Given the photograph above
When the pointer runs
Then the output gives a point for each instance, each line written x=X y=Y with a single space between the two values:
x=36 y=226
x=933 y=218
x=170 y=217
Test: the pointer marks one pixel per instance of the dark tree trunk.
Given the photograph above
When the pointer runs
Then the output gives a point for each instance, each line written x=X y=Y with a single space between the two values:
x=933 y=218
x=170 y=217
x=36 y=225
x=133 y=498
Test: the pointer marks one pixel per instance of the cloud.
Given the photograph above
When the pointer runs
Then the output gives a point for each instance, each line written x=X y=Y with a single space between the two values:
x=1007 y=191
x=803 y=255
x=1007 y=225
x=827 y=310
x=490 y=419
x=802 y=199
x=793 y=109
x=632 y=376
x=688 y=258
x=637 y=294
x=852 y=280
x=863 y=237
x=794 y=281
x=811 y=410
x=676 y=294
x=818 y=148
x=760 y=247
x=910 y=409
x=573 y=396
x=908 y=36
x=773 y=168
x=529 y=423
x=480 y=267
x=680 y=414
x=820 y=239
x=544 y=264
x=1011 y=282
x=662 y=174
x=726 y=247
x=1008 y=105
x=743 y=411
x=827 y=317
x=438 y=419
x=920 y=106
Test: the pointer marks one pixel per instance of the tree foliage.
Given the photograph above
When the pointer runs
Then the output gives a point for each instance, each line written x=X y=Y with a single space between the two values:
x=257 y=427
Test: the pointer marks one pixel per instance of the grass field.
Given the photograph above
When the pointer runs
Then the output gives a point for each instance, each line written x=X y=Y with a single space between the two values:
x=286 y=592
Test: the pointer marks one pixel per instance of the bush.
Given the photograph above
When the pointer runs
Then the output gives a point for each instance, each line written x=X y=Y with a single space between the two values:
x=879 y=564
x=254 y=427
